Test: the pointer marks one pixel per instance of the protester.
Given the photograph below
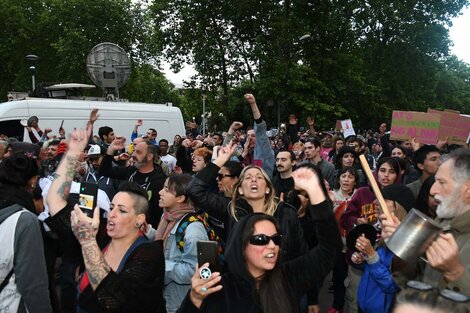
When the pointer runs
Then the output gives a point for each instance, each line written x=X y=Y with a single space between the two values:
x=180 y=229
x=347 y=157
x=258 y=279
x=144 y=172
x=174 y=147
x=377 y=288
x=261 y=154
x=283 y=181
x=338 y=143
x=298 y=149
x=24 y=286
x=107 y=136
x=448 y=256
x=168 y=159
x=341 y=195
x=226 y=174
x=425 y=201
x=361 y=210
x=426 y=161
x=312 y=156
x=253 y=192
x=201 y=157
x=150 y=135
x=93 y=175
x=124 y=271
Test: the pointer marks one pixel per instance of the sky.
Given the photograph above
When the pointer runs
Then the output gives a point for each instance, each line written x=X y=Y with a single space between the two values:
x=458 y=34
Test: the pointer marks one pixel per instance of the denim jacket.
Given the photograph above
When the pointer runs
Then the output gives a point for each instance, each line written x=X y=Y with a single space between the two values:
x=179 y=267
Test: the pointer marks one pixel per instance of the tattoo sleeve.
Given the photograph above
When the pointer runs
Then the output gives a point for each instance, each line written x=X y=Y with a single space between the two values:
x=95 y=263
x=64 y=188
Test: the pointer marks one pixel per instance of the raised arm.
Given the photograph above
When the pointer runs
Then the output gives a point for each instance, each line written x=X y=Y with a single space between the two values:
x=135 y=131
x=64 y=174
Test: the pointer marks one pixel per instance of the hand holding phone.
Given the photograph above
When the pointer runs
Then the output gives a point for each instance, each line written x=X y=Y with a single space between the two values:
x=207 y=253
x=87 y=198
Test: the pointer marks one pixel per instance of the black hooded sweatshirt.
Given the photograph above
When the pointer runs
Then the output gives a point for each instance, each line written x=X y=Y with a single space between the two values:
x=239 y=293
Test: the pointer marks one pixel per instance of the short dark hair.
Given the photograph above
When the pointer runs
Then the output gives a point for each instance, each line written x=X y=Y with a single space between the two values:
x=219 y=135
x=421 y=154
x=234 y=168
x=18 y=169
x=291 y=153
x=138 y=195
x=104 y=131
x=163 y=140
x=315 y=141
x=348 y=169
x=178 y=184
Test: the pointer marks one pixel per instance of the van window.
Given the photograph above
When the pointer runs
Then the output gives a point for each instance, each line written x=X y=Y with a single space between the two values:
x=12 y=128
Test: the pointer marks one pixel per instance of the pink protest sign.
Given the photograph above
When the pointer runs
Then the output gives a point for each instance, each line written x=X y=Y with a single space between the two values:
x=454 y=126
x=423 y=126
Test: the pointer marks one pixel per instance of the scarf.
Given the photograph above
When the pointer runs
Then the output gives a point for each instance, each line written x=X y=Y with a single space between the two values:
x=169 y=219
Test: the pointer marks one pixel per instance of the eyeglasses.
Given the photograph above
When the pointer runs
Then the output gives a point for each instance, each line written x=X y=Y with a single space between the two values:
x=262 y=239
x=221 y=176
x=445 y=293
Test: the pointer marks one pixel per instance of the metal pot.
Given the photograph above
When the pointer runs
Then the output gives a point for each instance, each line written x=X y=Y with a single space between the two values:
x=414 y=235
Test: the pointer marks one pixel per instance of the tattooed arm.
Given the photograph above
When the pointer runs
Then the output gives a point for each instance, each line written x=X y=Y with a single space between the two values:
x=85 y=229
x=64 y=174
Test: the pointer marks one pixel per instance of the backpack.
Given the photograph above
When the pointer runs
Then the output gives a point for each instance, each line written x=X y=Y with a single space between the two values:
x=198 y=217
x=7 y=278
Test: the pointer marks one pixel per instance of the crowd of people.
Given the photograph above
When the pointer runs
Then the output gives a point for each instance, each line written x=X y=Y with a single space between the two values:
x=285 y=207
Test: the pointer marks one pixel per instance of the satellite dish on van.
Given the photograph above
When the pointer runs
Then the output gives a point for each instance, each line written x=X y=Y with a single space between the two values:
x=108 y=67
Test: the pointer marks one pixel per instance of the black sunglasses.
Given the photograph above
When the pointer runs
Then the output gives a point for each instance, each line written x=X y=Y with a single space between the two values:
x=221 y=176
x=262 y=239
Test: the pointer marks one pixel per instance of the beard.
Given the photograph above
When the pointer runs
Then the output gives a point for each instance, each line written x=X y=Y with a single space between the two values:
x=451 y=206
x=139 y=164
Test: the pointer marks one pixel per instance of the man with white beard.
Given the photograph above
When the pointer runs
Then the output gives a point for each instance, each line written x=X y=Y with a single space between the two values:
x=449 y=255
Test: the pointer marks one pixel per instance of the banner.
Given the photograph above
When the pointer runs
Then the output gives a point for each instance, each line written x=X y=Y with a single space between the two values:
x=408 y=124
x=454 y=126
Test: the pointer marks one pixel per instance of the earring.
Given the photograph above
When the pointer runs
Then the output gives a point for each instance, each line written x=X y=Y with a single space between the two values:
x=137 y=225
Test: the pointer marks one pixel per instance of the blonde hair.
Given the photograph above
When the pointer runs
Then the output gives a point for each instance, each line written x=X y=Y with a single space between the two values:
x=298 y=145
x=270 y=202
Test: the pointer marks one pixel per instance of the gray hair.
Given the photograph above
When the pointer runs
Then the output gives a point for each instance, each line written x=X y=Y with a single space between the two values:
x=461 y=170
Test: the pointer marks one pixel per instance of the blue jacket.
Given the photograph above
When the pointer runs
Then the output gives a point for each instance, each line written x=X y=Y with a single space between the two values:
x=377 y=288
x=263 y=154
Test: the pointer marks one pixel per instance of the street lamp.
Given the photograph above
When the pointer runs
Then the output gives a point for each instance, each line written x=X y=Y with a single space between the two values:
x=32 y=68
x=204 y=97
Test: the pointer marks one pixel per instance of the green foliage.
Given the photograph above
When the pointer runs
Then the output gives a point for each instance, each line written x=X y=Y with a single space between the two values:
x=332 y=60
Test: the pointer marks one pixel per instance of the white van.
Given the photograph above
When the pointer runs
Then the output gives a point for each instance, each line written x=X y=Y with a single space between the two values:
x=120 y=116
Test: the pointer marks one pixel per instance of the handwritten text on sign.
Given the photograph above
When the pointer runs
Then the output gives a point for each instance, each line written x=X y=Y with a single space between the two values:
x=423 y=126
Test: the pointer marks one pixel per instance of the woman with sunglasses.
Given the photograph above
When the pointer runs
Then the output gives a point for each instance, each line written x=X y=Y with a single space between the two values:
x=253 y=192
x=258 y=279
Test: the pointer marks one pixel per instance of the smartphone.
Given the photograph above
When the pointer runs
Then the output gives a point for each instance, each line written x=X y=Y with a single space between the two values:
x=61 y=125
x=87 y=198
x=207 y=252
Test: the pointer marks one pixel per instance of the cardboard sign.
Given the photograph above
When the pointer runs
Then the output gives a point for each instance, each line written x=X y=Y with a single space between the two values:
x=423 y=126
x=454 y=126
x=348 y=129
